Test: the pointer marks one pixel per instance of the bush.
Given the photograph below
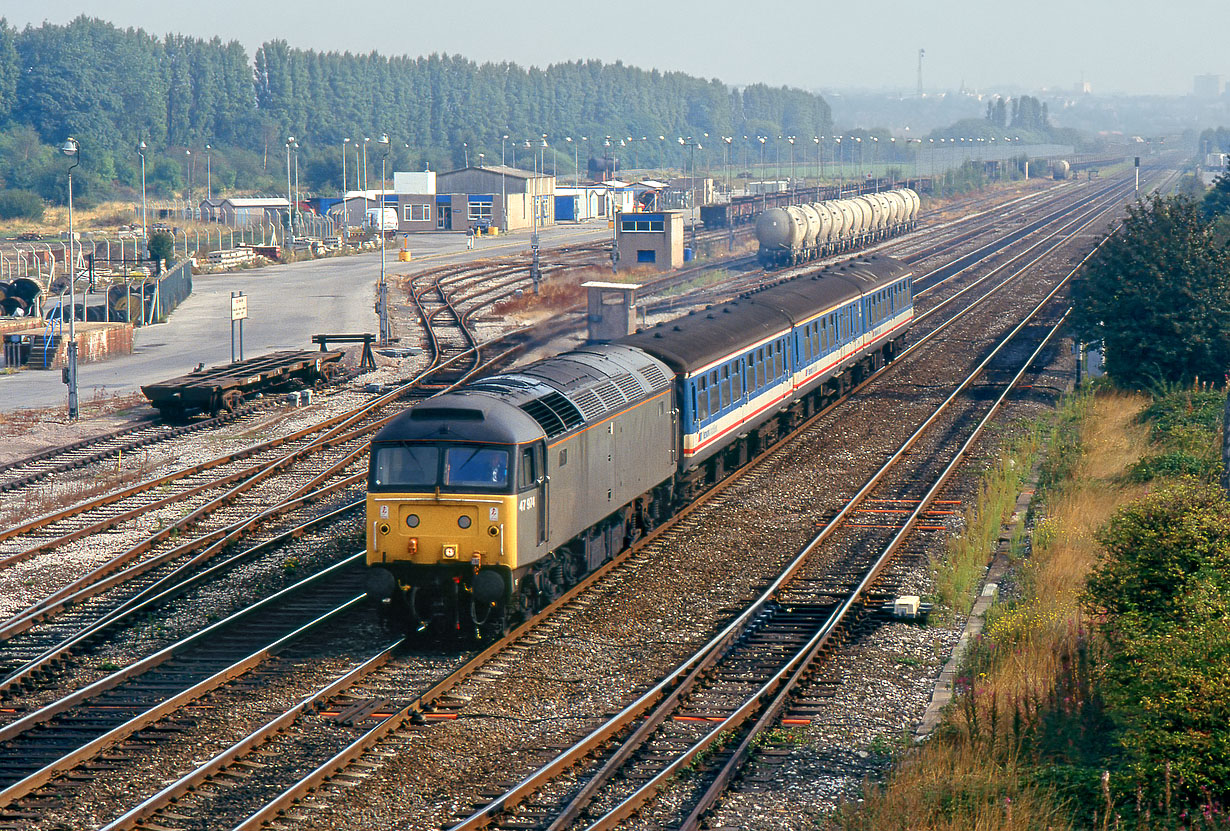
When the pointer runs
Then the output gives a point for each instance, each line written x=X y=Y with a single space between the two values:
x=161 y=248
x=1153 y=548
x=1162 y=585
x=20 y=204
x=1170 y=692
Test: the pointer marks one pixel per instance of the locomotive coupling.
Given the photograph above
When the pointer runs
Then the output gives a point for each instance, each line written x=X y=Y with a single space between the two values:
x=380 y=583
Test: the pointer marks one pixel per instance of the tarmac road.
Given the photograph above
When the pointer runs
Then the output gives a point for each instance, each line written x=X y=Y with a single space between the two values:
x=287 y=304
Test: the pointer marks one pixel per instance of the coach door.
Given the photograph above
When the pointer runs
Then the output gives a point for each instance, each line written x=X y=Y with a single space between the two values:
x=532 y=494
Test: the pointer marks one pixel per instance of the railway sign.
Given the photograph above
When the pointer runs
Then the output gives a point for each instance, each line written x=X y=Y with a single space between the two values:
x=239 y=311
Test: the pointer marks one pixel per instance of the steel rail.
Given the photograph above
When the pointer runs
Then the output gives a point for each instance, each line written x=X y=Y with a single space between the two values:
x=316 y=777
x=173 y=702
x=706 y=655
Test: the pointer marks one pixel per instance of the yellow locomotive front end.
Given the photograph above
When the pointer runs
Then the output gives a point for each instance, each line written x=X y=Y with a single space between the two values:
x=442 y=526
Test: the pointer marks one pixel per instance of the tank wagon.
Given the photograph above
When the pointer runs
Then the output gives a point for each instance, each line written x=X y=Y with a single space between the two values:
x=798 y=233
x=486 y=503
x=743 y=210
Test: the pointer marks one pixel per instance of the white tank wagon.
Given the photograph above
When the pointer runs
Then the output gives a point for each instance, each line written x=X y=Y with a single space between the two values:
x=780 y=232
x=797 y=233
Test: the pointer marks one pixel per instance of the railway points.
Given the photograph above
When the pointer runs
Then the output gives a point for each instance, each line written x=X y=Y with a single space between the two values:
x=377 y=758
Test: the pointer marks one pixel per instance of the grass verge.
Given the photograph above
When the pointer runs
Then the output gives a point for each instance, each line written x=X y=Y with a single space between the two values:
x=1016 y=749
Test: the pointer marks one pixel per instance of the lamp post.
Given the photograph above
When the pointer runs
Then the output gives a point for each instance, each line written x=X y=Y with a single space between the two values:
x=694 y=145
x=144 y=221
x=764 y=194
x=345 y=141
x=728 y=141
x=209 y=185
x=188 y=170
x=72 y=149
x=290 y=204
x=295 y=146
x=503 y=189
x=791 y=140
x=366 y=182
x=841 y=165
x=384 y=287
x=614 y=224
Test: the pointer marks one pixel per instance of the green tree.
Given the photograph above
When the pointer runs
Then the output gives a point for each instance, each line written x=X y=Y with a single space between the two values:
x=1157 y=297
x=20 y=204
x=1216 y=202
x=161 y=249
x=9 y=70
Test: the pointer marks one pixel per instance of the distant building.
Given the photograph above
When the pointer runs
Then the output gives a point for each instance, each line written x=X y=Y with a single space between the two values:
x=507 y=198
x=1206 y=86
x=242 y=211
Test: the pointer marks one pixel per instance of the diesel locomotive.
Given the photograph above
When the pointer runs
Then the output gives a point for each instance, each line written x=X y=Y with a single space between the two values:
x=486 y=503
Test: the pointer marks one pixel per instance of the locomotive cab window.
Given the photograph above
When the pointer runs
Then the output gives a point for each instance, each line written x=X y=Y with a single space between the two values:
x=405 y=466
x=527 y=471
x=477 y=467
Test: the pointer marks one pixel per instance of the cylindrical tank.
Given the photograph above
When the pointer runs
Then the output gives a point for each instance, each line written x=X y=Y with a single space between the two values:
x=883 y=212
x=811 y=218
x=845 y=210
x=777 y=230
x=866 y=211
x=25 y=288
x=830 y=221
x=1061 y=168
x=897 y=209
x=912 y=204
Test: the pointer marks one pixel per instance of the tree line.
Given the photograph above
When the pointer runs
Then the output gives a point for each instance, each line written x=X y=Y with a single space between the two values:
x=112 y=88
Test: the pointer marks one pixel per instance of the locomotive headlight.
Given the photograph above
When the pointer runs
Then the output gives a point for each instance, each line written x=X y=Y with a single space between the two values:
x=413 y=520
x=494 y=531
x=384 y=528
x=463 y=521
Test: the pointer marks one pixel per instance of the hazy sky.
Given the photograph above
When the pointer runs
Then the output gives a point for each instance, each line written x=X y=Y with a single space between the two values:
x=1127 y=46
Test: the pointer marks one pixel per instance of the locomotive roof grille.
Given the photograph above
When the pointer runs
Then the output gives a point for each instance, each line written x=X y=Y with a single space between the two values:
x=655 y=376
x=629 y=386
x=554 y=413
x=589 y=403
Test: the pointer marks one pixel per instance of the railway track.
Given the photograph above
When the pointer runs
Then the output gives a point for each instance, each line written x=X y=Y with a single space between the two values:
x=350 y=729
x=364 y=708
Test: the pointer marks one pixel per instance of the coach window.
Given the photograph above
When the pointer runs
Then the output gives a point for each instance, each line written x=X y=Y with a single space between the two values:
x=702 y=392
x=777 y=360
x=806 y=346
x=715 y=403
x=725 y=387
x=759 y=367
x=736 y=381
x=815 y=338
